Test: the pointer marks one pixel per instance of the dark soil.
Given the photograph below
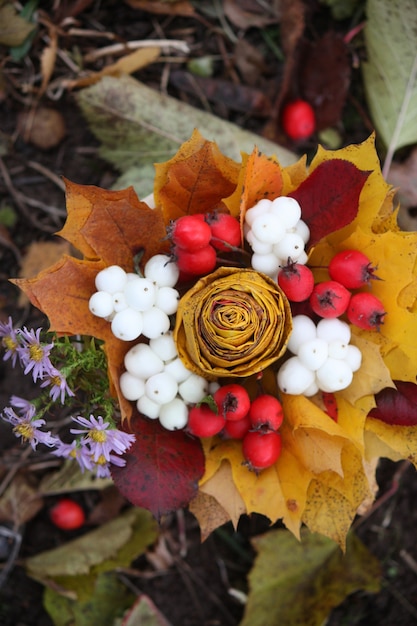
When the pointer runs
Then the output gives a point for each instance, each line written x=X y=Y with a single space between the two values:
x=194 y=589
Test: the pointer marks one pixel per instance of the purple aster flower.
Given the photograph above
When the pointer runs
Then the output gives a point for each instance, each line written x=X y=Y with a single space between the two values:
x=22 y=404
x=59 y=386
x=75 y=451
x=27 y=428
x=102 y=465
x=10 y=341
x=101 y=437
x=34 y=354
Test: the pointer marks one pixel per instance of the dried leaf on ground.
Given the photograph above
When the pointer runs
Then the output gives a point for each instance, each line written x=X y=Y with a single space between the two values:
x=234 y=96
x=137 y=125
x=251 y=15
x=108 y=600
x=128 y=64
x=144 y=612
x=325 y=77
x=115 y=544
x=161 y=7
x=20 y=502
x=390 y=72
x=298 y=583
x=13 y=28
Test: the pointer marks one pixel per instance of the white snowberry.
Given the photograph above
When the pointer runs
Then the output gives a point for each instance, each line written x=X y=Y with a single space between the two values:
x=155 y=323
x=167 y=299
x=287 y=210
x=164 y=346
x=101 y=304
x=303 y=330
x=111 y=279
x=140 y=294
x=148 y=407
x=174 y=414
x=334 y=375
x=293 y=377
x=161 y=388
x=262 y=207
x=268 y=228
x=127 y=324
x=193 y=389
x=313 y=353
x=131 y=386
x=162 y=270
x=142 y=361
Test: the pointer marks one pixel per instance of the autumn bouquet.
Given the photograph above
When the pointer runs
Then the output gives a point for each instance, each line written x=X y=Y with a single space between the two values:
x=259 y=326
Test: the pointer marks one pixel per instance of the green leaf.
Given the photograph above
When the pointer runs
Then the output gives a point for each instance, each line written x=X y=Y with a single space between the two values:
x=138 y=126
x=390 y=73
x=108 y=601
x=298 y=583
x=115 y=544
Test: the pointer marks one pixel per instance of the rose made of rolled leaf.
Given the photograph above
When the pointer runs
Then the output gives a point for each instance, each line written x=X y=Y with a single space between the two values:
x=233 y=322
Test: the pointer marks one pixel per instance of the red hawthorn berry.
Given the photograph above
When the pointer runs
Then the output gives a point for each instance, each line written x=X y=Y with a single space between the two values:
x=329 y=299
x=298 y=120
x=204 y=422
x=366 y=311
x=236 y=429
x=266 y=413
x=296 y=281
x=225 y=231
x=190 y=232
x=232 y=401
x=67 y=514
x=196 y=262
x=352 y=269
x=261 y=450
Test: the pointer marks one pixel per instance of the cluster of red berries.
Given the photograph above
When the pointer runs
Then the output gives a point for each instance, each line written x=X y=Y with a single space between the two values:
x=197 y=238
x=348 y=270
x=232 y=415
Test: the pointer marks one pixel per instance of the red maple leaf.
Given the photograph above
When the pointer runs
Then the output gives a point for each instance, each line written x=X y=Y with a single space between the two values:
x=162 y=468
x=330 y=197
x=397 y=406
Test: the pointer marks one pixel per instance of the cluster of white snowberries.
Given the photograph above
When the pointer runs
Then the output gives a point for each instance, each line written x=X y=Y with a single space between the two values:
x=137 y=305
x=160 y=384
x=275 y=232
x=323 y=357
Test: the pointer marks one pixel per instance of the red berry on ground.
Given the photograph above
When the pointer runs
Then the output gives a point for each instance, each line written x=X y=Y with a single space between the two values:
x=236 y=429
x=67 y=514
x=225 y=231
x=232 y=401
x=266 y=413
x=296 y=281
x=204 y=422
x=329 y=299
x=366 y=311
x=197 y=262
x=261 y=450
x=298 y=119
x=352 y=269
x=191 y=232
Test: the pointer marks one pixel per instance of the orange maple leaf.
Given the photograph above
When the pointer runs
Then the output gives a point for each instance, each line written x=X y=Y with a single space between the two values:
x=108 y=228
